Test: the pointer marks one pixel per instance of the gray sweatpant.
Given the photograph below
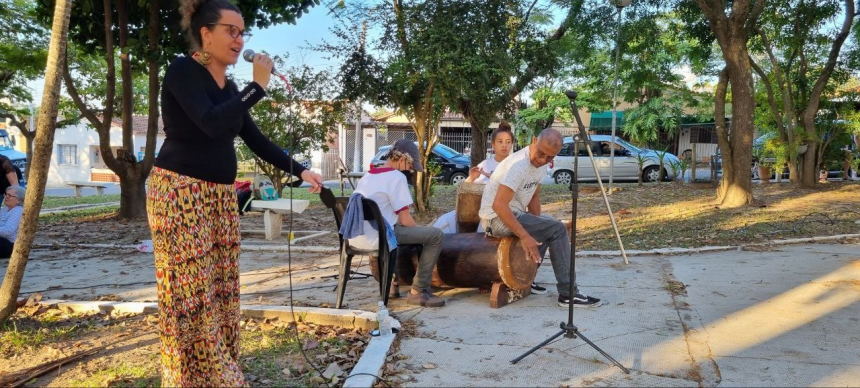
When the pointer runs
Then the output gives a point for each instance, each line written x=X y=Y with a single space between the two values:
x=431 y=238
x=552 y=235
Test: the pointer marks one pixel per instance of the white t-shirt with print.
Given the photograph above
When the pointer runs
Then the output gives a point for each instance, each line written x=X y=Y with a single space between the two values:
x=389 y=189
x=517 y=173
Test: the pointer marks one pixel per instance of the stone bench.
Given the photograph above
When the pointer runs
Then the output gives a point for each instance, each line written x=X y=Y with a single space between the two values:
x=99 y=186
x=273 y=211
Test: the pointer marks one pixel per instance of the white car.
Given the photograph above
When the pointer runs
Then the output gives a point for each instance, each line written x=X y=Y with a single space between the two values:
x=626 y=162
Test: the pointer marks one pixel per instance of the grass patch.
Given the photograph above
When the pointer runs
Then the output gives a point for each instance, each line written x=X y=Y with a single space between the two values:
x=267 y=355
x=55 y=202
x=34 y=333
x=87 y=214
x=302 y=193
x=122 y=375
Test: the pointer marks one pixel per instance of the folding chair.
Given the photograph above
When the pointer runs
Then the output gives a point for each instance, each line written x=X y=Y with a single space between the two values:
x=386 y=258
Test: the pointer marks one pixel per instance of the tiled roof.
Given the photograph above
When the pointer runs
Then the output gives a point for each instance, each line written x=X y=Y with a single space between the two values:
x=139 y=124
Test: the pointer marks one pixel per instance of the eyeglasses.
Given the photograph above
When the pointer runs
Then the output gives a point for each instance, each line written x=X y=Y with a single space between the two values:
x=9 y=195
x=234 y=31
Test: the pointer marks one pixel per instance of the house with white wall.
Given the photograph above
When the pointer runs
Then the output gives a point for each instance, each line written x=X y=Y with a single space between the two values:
x=76 y=155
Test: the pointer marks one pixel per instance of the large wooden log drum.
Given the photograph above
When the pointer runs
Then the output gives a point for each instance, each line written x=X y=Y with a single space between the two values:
x=468 y=203
x=471 y=260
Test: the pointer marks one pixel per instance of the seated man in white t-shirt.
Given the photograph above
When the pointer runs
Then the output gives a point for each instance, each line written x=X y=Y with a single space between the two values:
x=387 y=186
x=511 y=206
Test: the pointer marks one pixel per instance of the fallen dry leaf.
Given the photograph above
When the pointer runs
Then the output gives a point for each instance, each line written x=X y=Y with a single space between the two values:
x=429 y=366
x=333 y=370
x=312 y=344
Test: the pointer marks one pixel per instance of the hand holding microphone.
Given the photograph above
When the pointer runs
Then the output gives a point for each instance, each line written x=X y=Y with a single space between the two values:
x=263 y=67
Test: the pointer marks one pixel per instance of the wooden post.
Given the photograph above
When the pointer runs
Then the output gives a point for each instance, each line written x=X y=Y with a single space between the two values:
x=693 y=163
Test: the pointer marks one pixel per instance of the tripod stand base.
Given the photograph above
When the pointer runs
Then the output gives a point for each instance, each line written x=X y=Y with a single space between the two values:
x=570 y=331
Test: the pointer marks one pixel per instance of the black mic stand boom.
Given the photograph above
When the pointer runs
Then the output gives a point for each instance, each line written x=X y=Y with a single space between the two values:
x=569 y=329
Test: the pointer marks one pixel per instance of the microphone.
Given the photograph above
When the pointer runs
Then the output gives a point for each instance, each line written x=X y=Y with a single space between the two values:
x=249 y=56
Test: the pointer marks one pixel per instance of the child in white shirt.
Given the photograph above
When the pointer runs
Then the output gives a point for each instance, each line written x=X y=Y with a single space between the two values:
x=387 y=186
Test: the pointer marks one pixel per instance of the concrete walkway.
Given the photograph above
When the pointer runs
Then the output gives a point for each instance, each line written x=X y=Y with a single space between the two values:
x=777 y=316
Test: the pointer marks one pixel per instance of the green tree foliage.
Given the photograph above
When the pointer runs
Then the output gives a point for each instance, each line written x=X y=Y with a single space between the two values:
x=300 y=119
x=550 y=105
x=401 y=69
x=23 y=54
x=505 y=49
x=23 y=51
x=652 y=51
x=800 y=67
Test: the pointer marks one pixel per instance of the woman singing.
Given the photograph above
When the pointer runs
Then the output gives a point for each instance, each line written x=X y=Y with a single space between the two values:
x=191 y=202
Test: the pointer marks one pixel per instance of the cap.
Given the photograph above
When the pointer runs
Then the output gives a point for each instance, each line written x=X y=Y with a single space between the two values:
x=409 y=147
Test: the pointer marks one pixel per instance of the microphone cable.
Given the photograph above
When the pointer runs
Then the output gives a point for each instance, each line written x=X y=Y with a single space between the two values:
x=290 y=263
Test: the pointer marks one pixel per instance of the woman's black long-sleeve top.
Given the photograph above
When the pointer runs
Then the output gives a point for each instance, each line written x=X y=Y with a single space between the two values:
x=202 y=120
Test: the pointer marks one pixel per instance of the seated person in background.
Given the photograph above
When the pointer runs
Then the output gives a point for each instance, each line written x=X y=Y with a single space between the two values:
x=10 y=219
x=502 y=141
x=387 y=186
x=511 y=206
x=10 y=174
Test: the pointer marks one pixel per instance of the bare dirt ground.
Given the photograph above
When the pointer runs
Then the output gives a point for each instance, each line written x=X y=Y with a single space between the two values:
x=651 y=216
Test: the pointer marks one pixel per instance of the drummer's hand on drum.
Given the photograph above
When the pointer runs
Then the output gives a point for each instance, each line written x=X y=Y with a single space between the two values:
x=530 y=246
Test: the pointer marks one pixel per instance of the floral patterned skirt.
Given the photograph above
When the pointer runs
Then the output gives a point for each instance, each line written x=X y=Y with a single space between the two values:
x=195 y=235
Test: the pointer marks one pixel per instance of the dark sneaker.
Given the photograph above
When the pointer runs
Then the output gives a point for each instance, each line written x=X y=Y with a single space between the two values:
x=425 y=298
x=579 y=300
x=536 y=289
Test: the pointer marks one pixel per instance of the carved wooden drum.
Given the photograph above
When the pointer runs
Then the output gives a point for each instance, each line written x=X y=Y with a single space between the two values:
x=471 y=260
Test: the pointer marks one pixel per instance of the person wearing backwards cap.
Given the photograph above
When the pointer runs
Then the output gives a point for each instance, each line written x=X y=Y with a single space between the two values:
x=387 y=186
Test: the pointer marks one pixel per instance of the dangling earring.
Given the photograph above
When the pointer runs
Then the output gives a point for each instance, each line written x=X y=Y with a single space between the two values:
x=204 y=57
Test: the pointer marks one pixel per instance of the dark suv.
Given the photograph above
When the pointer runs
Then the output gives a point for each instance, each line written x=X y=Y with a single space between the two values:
x=455 y=165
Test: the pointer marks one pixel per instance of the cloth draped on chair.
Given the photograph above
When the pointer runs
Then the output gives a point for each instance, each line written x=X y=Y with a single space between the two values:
x=354 y=222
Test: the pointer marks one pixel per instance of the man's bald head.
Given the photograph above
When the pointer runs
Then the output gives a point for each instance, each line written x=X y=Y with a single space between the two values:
x=552 y=137
x=546 y=148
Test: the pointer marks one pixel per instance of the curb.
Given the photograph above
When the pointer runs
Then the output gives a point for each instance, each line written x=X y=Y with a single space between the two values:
x=706 y=249
x=245 y=247
x=364 y=373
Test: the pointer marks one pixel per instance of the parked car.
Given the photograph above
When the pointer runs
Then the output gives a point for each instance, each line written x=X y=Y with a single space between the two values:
x=455 y=165
x=626 y=163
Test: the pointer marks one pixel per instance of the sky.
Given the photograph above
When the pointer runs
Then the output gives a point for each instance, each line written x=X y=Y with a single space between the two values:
x=310 y=29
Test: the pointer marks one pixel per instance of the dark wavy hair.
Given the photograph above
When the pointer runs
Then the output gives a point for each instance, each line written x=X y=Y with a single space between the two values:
x=197 y=14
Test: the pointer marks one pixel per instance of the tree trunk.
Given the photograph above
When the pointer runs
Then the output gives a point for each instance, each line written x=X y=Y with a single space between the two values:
x=132 y=199
x=40 y=163
x=732 y=33
x=478 y=130
x=737 y=186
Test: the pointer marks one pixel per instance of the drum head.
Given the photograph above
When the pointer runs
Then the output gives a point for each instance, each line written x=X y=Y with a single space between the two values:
x=516 y=271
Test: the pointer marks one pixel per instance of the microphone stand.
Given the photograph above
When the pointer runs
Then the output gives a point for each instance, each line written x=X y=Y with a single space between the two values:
x=569 y=330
